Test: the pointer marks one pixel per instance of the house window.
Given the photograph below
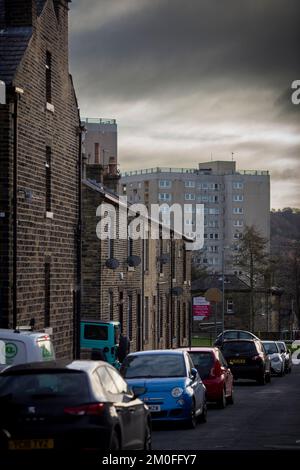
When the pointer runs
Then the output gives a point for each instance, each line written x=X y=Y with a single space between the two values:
x=111 y=247
x=164 y=196
x=238 y=210
x=238 y=235
x=47 y=305
x=184 y=264
x=238 y=198
x=161 y=316
x=237 y=185
x=146 y=319
x=189 y=184
x=129 y=317
x=97 y=153
x=238 y=223
x=189 y=196
x=184 y=320
x=214 y=211
x=111 y=304
x=230 y=306
x=146 y=254
x=165 y=183
x=48 y=77
x=48 y=179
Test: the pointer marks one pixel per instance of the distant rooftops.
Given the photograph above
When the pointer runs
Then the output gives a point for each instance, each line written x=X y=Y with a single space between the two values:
x=86 y=120
x=208 y=168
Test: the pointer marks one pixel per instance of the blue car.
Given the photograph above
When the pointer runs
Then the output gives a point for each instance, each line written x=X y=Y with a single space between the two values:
x=167 y=381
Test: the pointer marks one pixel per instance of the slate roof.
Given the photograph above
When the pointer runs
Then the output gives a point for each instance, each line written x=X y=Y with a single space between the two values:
x=13 y=44
x=232 y=283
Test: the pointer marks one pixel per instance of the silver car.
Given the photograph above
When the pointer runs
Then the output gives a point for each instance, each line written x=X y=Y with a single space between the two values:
x=276 y=359
x=286 y=356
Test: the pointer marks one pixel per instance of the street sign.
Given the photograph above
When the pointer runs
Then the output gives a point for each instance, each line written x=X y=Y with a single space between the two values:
x=201 y=308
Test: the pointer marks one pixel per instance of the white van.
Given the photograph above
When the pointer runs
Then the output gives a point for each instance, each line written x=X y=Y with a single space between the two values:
x=20 y=347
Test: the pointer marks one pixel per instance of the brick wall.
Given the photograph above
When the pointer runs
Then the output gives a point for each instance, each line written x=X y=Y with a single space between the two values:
x=5 y=215
x=47 y=240
x=102 y=285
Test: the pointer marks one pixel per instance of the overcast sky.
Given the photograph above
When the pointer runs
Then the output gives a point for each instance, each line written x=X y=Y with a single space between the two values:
x=191 y=80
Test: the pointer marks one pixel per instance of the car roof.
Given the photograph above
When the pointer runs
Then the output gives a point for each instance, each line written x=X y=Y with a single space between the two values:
x=60 y=365
x=239 y=340
x=25 y=336
x=157 y=352
x=200 y=349
x=240 y=331
x=269 y=341
x=87 y=365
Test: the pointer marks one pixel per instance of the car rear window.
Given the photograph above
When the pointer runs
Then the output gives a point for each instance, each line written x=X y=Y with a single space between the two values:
x=203 y=362
x=96 y=332
x=154 y=365
x=39 y=385
x=239 y=347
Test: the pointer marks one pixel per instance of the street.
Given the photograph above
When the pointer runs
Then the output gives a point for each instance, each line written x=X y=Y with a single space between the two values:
x=262 y=418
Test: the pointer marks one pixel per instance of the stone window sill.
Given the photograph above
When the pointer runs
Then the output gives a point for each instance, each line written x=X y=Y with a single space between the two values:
x=50 y=107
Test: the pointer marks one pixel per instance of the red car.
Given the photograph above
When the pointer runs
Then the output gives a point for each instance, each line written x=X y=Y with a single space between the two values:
x=215 y=374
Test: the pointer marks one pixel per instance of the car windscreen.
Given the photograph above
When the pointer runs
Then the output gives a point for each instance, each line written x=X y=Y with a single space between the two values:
x=203 y=361
x=239 y=347
x=270 y=348
x=44 y=385
x=282 y=347
x=154 y=365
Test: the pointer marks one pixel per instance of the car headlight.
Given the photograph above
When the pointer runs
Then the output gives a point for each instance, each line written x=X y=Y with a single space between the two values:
x=177 y=392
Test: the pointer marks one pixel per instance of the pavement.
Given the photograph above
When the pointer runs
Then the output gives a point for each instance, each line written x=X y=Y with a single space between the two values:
x=262 y=418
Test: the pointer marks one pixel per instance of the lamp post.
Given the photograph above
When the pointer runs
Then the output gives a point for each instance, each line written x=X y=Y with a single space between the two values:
x=223 y=289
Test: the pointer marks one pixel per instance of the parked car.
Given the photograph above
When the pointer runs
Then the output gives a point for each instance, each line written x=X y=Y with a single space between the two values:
x=24 y=346
x=215 y=374
x=233 y=334
x=286 y=355
x=277 y=361
x=82 y=406
x=247 y=359
x=170 y=385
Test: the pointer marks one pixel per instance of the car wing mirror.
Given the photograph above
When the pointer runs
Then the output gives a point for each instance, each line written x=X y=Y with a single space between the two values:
x=194 y=373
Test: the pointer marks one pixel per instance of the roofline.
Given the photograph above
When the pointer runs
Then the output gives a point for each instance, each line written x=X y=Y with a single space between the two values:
x=114 y=199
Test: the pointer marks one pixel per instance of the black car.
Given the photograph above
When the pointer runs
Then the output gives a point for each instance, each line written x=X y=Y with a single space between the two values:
x=80 y=406
x=247 y=359
x=233 y=334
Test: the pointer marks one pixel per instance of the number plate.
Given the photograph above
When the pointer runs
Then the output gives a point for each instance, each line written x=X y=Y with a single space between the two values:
x=31 y=444
x=154 y=408
x=237 y=361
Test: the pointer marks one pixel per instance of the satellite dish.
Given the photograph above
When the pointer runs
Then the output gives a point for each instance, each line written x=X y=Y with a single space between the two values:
x=133 y=261
x=112 y=263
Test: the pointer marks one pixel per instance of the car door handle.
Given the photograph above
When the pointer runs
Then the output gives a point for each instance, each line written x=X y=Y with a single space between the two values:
x=132 y=410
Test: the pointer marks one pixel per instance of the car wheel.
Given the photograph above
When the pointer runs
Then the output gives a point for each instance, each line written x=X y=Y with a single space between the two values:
x=222 y=401
x=268 y=377
x=282 y=373
x=192 y=421
x=148 y=438
x=230 y=399
x=203 y=416
x=115 y=441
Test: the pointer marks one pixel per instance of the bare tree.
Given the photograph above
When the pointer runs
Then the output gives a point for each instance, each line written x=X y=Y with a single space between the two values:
x=253 y=260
